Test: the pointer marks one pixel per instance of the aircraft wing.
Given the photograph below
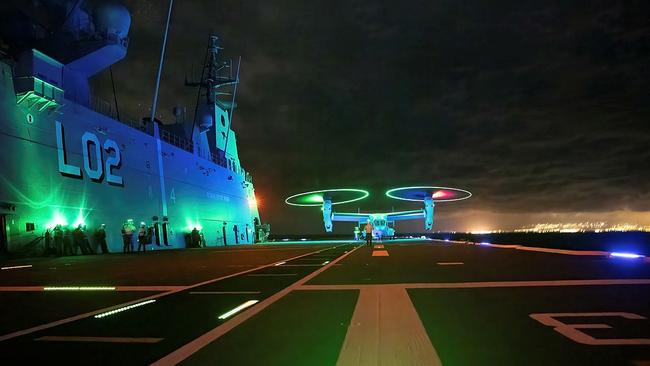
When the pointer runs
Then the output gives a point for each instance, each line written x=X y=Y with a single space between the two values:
x=390 y=216
x=350 y=216
x=405 y=215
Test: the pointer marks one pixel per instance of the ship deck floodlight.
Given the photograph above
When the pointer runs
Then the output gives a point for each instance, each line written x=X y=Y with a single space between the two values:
x=422 y=193
x=335 y=196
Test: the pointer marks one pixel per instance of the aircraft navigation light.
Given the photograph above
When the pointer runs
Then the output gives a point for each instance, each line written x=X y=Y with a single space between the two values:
x=439 y=194
x=625 y=255
x=314 y=198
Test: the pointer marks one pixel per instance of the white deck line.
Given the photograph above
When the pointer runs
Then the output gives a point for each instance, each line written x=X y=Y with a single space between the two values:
x=224 y=292
x=194 y=346
x=103 y=310
x=271 y=274
x=98 y=339
x=386 y=330
x=441 y=285
x=117 y=288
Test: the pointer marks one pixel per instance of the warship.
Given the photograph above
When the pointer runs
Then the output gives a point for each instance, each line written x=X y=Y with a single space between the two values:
x=69 y=160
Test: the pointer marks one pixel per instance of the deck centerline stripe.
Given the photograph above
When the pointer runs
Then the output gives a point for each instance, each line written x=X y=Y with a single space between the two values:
x=99 y=339
x=449 y=263
x=195 y=345
x=386 y=329
x=109 y=308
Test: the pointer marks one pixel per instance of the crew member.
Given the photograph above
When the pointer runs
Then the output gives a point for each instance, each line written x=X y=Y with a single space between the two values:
x=100 y=237
x=58 y=240
x=142 y=238
x=195 y=238
x=356 y=233
x=77 y=240
x=48 y=243
x=127 y=236
x=368 y=229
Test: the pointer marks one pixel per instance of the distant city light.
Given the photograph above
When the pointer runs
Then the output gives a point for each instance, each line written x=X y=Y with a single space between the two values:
x=625 y=255
x=579 y=227
x=119 y=310
x=79 y=288
x=239 y=308
x=484 y=243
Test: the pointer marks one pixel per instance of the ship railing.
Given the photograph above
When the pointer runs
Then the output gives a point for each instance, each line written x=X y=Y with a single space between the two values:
x=103 y=107
x=176 y=140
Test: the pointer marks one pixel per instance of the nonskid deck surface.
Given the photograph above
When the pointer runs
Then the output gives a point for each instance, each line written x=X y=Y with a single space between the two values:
x=426 y=303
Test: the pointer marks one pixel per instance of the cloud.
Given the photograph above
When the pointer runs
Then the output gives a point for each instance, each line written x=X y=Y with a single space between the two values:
x=536 y=108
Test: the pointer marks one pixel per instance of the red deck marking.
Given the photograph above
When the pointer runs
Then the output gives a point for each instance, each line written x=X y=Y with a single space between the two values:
x=98 y=339
x=379 y=246
x=379 y=253
x=573 y=332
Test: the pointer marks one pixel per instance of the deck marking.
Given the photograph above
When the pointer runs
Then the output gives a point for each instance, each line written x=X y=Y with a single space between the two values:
x=17 y=267
x=98 y=339
x=195 y=345
x=386 y=330
x=440 y=285
x=547 y=250
x=71 y=288
x=271 y=274
x=223 y=292
x=450 y=263
x=239 y=308
x=379 y=253
x=302 y=265
x=573 y=332
x=109 y=308
x=125 y=308
x=378 y=246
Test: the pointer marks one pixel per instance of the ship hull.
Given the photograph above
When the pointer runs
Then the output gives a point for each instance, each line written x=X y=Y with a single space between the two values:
x=37 y=191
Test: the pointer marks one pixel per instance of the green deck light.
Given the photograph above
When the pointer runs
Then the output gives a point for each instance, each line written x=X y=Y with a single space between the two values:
x=239 y=308
x=119 y=310
x=79 y=288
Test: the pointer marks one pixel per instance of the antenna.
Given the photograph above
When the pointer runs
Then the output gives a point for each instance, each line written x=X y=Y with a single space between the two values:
x=232 y=108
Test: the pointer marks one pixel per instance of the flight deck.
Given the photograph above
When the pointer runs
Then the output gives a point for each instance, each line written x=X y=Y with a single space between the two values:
x=334 y=303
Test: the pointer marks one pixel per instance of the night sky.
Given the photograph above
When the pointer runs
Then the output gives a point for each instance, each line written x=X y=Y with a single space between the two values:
x=540 y=109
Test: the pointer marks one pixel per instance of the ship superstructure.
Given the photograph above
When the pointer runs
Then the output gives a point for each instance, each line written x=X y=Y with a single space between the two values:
x=69 y=160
